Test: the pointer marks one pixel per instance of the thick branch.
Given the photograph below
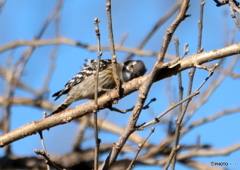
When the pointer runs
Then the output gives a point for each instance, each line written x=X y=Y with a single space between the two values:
x=87 y=108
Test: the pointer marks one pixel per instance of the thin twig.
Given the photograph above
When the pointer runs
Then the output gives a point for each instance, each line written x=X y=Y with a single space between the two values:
x=210 y=89
x=179 y=75
x=179 y=126
x=180 y=118
x=20 y=84
x=157 y=119
x=140 y=145
x=8 y=94
x=44 y=148
x=96 y=21
x=228 y=73
x=144 y=89
x=159 y=23
x=46 y=156
x=43 y=145
x=83 y=126
x=234 y=6
x=131 y=109
x=20 y=65
x=186 y=50
x=210 y=119
x=233 y=9
x=27 y=54
x=52 y=56
x=112 y=46
x=210 y=74
x=123 y=39
x=179 y=86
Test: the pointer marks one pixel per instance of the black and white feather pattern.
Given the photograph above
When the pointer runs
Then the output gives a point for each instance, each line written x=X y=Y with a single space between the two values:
x=89 y=68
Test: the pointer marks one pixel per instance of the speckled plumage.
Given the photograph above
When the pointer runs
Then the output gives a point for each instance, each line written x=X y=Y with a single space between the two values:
x=82 y=85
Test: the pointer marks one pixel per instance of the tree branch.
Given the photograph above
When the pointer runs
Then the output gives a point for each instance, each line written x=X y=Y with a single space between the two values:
x=67 y=41
x=87 y=108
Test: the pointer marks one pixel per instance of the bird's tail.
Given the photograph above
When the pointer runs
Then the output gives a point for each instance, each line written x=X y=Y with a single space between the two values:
x=57 y=94
x=61 y=107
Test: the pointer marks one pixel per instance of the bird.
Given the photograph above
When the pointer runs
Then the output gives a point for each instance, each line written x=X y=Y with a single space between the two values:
x=82 y=85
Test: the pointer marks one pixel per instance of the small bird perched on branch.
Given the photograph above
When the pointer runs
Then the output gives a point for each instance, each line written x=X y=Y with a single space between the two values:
x=82 y=85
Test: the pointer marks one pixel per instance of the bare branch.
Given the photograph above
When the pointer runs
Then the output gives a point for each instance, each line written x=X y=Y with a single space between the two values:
x=210 y=119
x=87 y=108
x=160 y=22
x=228 y=73
x=20 y=84
x=67 y=41
x=210 y=152
x=200 y=166
x=211 y=88
x=233 y=9
x=97 y=143
x=46 y=156
x=140 y=145
x=44 y=152
x=174 y=151
x=112 y=46
x=157 y=119
x=144 y=89
x=83 y=125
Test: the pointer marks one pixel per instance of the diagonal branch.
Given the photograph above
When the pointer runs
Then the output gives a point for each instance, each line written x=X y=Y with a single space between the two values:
x=144 y=89
x=128 y=88
x=160 y=22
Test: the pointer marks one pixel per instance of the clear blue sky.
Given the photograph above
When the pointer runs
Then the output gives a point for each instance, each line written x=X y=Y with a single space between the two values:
x=22 y=20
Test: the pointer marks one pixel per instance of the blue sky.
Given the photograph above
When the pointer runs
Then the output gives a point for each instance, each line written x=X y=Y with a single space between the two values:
x=22 y=20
